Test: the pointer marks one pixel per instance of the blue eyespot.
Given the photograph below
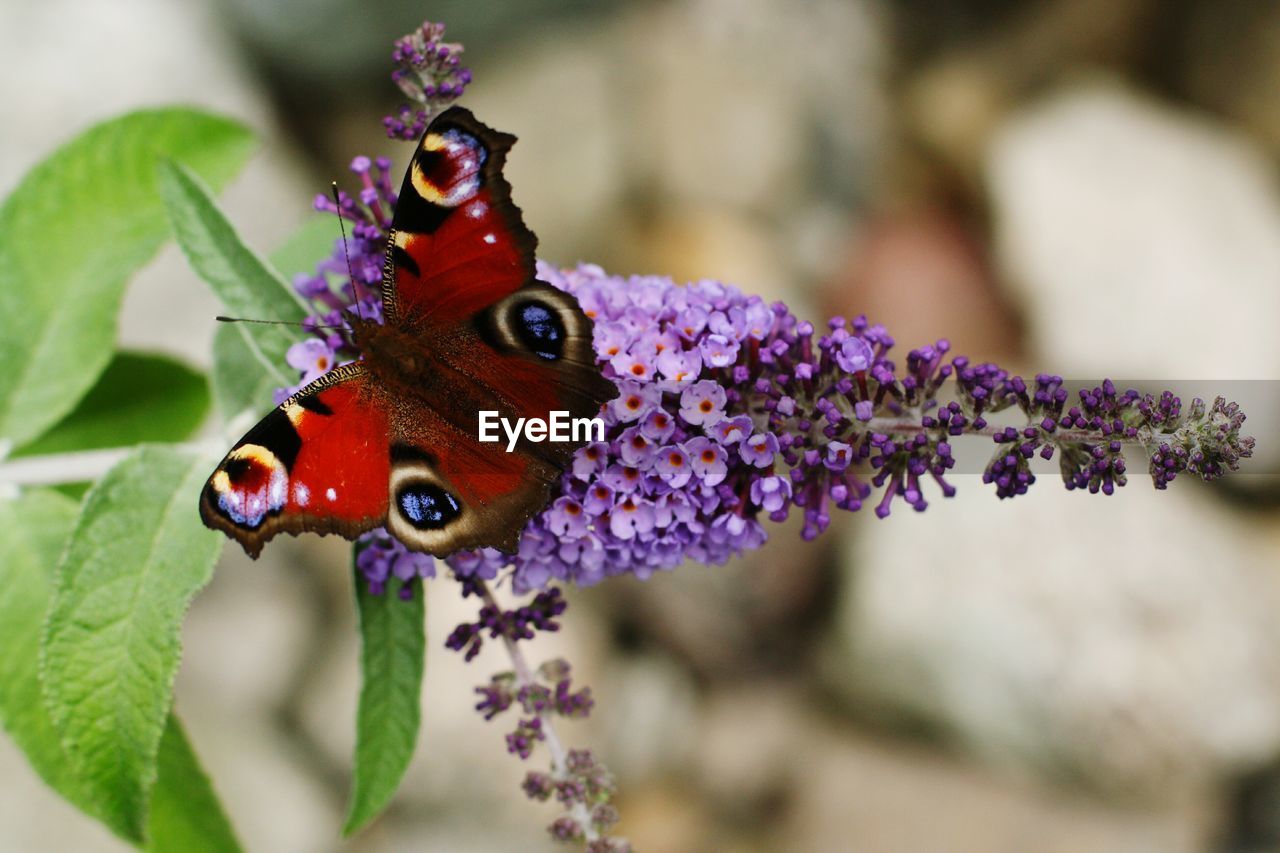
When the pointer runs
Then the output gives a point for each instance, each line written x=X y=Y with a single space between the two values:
x=427 y=507
x=540 y=329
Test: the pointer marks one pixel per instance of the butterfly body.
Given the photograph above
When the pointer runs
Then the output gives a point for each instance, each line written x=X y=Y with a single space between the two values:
x=392 y=438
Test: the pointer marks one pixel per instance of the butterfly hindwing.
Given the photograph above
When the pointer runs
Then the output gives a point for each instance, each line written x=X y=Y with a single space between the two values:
x=449 y=491
x=319 y=462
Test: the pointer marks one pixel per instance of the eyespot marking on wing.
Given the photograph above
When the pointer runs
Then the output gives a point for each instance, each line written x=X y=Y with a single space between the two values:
x=427 y=506
x=446 y=169
x=541 y=321
x=424 y=512
x=540 y=328
x=252 y=484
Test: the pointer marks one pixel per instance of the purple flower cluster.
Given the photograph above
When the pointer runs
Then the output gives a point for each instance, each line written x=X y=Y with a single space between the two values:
x=731 y=410
x=550 y=692
x=576 y=780
x=585 y=781
x=683 y=471
x=522 y=623
x=430 y=74
x=382 y=557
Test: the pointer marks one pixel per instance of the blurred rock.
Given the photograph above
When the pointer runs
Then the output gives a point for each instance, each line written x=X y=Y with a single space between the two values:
x=104 y=60
x=246 y=633
x=556 y=94
x=736 y=101
x=852 y=793
x=649 y=713
x=695 y=140
x=664 y=814
x=953 y=103
x=747 y=748
x=1254 y=819
x=1142 y=242
x=753 y=615
x=270 y=792
x=925 y=274
x=1126 y=643
x=1231 y=51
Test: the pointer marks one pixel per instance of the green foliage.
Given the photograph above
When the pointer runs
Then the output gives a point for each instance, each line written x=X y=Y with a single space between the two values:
x=392 y=659
x=137 y=556
x=247 y=285
x=244 y=377
x=32 y=533
x=185 y=814
x=138 y=398
x=242 y=384
x=92 y=595
x=71 y=234
x=313 y=241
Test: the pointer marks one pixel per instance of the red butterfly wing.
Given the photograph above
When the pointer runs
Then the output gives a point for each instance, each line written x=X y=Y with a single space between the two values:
x=458 y=242
x=460 y=273
x=320 y=461
x=449 y=491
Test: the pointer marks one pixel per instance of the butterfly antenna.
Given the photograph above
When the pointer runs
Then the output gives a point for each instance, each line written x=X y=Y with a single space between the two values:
x=223 y=319
x=351 y=276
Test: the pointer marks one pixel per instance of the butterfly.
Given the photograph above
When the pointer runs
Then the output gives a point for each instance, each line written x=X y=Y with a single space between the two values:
x=392 y=439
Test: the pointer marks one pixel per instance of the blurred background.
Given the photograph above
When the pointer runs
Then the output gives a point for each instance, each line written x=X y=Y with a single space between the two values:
x=1080 y=186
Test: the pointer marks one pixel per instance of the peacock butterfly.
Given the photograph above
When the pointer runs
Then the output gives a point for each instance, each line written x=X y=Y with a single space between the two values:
x=391 y=439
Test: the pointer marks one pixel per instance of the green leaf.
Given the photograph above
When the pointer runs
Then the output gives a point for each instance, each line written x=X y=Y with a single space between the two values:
x=71 y=235
x=186 y=816
x=392 y=658
x=314 y=240
x=32 y=532
x=248 y=286
x=244 y=379
x=75 y=491
x=110 y=648
x=138 y=398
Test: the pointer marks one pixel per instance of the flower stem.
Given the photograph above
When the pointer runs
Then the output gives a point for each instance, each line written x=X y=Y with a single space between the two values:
x=910 y=425
x=80 y=466
x=559 y=757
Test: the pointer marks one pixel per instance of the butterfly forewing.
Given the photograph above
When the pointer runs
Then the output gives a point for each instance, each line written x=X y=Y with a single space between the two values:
x=317 y=462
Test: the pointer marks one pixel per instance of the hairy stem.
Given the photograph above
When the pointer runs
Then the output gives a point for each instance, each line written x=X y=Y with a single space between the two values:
x=559 y=757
